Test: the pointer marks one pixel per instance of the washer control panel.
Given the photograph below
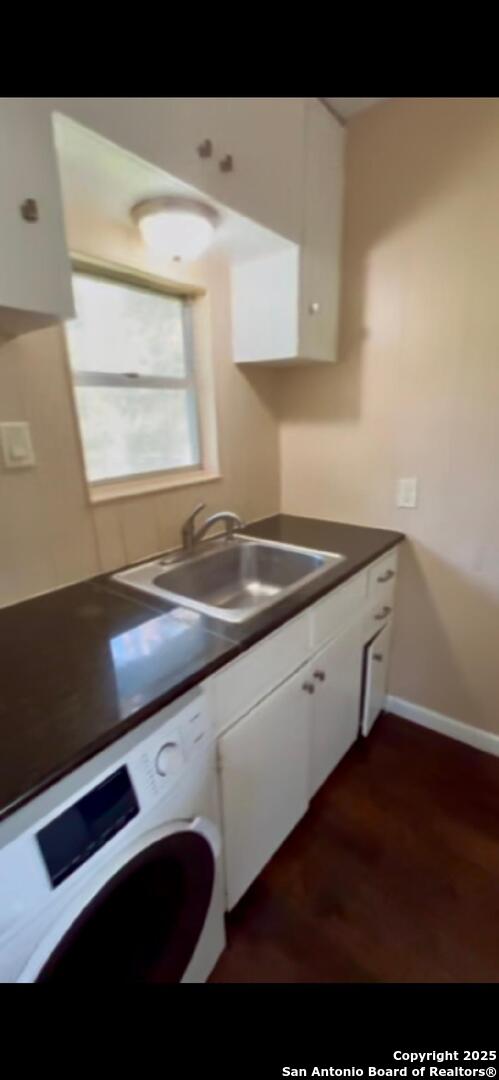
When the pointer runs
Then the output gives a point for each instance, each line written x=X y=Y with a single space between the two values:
x=164 y=756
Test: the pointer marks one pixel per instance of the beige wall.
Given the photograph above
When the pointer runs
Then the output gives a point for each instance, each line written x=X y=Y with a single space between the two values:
x=49 y=533
x=417 y=391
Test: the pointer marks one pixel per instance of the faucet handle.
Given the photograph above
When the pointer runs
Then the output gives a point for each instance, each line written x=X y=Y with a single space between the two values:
x=195 y=512
x=188 y=526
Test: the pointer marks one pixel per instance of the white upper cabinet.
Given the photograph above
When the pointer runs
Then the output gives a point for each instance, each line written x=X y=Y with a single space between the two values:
x=35 y=281
x=277 y=162
x=285 y=303
x=245 y=152
x=322 y=230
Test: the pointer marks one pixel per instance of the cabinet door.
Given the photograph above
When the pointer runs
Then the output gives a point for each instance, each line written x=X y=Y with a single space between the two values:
x=265 y=137
x=321 y=252
x=336 y=674
x=377 y=656
x=34 y=266
x=263 y=761
x=188 y=123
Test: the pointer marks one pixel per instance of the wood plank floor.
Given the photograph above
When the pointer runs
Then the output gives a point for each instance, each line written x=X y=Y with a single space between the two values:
x=392 y=876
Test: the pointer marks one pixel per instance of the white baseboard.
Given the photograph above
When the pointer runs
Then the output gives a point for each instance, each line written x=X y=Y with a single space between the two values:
x=445 y=725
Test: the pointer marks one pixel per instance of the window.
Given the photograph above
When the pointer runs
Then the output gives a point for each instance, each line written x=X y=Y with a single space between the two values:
x=131 y=356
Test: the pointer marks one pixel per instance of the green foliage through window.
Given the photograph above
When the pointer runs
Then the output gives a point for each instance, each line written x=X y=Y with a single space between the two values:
x=131 y=358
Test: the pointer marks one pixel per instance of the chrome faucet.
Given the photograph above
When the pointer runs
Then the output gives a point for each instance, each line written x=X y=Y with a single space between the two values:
x=189 y=535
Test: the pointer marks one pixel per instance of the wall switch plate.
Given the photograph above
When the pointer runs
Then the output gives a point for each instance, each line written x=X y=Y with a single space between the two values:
x=407 y=492
x=17 y=448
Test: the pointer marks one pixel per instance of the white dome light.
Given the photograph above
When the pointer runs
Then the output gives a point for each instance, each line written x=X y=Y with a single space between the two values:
x=176 y=228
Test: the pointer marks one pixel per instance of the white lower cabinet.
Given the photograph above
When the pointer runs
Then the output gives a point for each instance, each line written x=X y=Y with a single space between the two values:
x=264 y=770
x=282 y=749
x=335 y=675
x=377 y=655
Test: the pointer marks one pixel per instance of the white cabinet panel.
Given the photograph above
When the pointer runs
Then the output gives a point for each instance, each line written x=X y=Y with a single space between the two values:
x=188 y=123
x=249 y=678
x=381 y=580
x=332 y=614
x=321 y=240
x=375 y=620
x=336 y=675
x=265 y=140
x=265 y=137
x=377 y=659
x=285 y=303
x=264 y=781
x=35 y=280
x=265 y=307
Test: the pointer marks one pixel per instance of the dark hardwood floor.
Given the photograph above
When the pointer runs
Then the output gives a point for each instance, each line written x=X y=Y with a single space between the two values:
x=392 y=876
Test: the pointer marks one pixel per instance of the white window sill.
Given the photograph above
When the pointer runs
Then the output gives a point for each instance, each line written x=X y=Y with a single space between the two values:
x=126 y=489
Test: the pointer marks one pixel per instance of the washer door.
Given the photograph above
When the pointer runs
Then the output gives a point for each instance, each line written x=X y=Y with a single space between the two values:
x=142 y=924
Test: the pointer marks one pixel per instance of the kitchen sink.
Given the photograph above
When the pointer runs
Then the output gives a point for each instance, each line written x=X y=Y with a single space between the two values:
x=231 y=579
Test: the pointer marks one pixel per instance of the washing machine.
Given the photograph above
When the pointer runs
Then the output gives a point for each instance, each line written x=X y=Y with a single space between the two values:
x=114 y=874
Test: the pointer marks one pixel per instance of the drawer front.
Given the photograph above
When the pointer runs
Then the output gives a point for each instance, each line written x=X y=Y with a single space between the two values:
x=376 y=618
x=332 y=615
x=381 y=580
x=244 y=682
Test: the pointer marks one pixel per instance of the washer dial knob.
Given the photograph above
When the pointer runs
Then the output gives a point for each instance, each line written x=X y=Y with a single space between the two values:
x=168 y=759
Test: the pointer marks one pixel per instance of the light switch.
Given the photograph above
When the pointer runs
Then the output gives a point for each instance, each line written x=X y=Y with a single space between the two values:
x=407 y=492
x=17 y=447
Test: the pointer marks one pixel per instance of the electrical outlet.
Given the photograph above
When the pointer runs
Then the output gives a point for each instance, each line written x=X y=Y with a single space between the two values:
x=407 y=492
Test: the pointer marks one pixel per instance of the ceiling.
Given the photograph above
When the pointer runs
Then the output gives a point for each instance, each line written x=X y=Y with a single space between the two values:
x=349 y=106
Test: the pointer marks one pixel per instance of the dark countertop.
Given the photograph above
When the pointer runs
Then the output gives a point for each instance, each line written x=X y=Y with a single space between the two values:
x=82 y=665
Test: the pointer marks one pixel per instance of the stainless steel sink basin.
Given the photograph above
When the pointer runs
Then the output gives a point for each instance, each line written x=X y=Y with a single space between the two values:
x=230 y=579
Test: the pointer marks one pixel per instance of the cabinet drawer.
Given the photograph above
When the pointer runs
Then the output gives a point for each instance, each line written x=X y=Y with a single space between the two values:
x=376 y=619
x=381 y=580
x=331 y=615
x=245 y=681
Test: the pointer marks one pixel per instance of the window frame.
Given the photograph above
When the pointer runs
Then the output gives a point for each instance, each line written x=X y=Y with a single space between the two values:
x=139 y=483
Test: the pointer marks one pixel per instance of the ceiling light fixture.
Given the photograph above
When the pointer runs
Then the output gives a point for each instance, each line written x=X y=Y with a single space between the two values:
x=175 y=227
